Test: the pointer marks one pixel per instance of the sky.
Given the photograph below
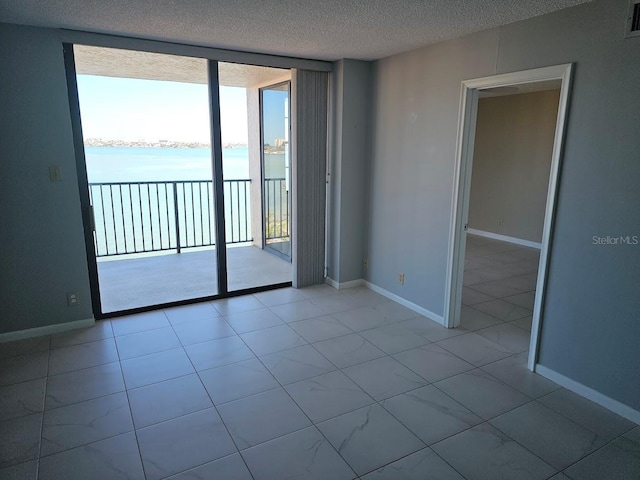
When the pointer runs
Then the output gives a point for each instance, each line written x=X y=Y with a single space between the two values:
x=150 y=110
x=273 y=107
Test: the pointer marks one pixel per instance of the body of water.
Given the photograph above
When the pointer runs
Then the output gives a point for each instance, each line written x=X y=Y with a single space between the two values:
x=141 y=164
x=142 y=218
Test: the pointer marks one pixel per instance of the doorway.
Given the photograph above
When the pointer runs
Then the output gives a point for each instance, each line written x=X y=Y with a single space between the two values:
x=264 y=143
x=162 y=148
x=471 y=92
x=276 y=168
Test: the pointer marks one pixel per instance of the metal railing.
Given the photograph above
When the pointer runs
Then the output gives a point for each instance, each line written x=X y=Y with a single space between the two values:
x=276 y=202
x=140 y=217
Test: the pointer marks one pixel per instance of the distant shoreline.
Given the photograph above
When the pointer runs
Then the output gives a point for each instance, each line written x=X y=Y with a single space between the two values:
x=99 y=142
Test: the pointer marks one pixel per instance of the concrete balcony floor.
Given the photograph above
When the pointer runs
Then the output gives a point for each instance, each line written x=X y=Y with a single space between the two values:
x=137 y=282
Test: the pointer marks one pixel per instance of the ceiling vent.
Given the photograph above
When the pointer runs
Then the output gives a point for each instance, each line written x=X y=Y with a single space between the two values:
x=633 y=21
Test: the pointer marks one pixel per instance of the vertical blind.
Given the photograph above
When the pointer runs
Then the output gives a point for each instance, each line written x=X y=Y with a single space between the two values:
x=309 y=169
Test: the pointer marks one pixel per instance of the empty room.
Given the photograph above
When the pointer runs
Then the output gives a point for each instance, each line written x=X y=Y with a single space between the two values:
x=511 y=171
x=349 y=240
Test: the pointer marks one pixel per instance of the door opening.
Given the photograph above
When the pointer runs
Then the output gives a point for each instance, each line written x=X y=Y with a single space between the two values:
x=162 y=150
x=249 y=263
x=276 y=168
x=471 y=92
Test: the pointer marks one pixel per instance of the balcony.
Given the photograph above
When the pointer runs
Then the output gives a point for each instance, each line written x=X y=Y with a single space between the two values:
x=155 y=241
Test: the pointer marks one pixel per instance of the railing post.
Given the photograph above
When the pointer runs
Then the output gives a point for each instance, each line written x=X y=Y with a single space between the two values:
x=175 y=215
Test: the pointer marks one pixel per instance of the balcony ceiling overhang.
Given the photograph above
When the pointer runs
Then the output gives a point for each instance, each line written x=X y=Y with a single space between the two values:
x=327 y=30
x=111 y=62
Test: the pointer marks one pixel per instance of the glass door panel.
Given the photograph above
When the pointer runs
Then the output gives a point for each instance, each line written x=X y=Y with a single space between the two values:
x=275 y=148
x=146 y=128
x=249 y=261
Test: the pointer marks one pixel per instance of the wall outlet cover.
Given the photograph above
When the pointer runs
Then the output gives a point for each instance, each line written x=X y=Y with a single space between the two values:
x=73 y=299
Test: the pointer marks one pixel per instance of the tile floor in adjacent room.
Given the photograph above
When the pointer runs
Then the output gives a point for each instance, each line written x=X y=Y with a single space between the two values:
x=313 y=383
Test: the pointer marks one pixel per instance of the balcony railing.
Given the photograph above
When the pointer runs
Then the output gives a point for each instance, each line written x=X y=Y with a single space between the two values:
x=140 y=217
x=276 y=202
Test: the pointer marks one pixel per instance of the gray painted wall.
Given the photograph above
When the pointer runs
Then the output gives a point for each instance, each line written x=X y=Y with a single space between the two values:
x=416 y=98
x=43 y=254
x=351 y=91
x=591 y=326
x=511 y=163
x=591 y=323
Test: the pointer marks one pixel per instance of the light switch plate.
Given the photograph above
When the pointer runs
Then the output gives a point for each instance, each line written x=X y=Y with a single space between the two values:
x=54 y=173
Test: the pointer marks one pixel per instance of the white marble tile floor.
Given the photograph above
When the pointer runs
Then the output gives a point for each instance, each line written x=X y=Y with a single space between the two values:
x=313 y=383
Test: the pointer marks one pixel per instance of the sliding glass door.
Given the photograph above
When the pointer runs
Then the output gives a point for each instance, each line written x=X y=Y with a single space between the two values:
x=250 y=223
x=173 y=216
x=146 y=134
x=275 y=148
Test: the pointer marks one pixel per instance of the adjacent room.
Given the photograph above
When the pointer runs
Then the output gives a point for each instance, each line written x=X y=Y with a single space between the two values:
x=511 y=170
x=363 y=240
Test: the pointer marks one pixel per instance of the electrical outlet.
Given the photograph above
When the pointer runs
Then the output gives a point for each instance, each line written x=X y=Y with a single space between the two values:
x=73 y=299
x=501 y=223
x=401 y=278
x=366 y=262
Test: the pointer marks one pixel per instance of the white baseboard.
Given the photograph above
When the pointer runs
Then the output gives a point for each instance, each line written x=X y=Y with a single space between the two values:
x=332 y=282
x=505 y=238
x=46 y=330
x=590 y=394
x=386 y=293
x=406 y=303
x=340 y=286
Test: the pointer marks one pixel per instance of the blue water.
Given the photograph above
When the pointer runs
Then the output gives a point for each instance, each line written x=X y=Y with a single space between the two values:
x=135 y=219
x=133 y=164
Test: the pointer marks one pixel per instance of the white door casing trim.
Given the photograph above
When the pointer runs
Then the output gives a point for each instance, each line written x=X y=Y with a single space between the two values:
x=462 y=182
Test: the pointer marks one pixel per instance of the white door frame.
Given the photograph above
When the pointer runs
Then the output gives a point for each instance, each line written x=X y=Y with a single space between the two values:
x=462 y=186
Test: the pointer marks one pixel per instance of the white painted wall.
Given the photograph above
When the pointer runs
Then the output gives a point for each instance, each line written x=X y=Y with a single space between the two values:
x=255 y=163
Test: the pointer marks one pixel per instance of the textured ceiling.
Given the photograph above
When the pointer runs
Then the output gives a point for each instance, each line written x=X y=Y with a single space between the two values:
x=111 y=62
x=328 y=30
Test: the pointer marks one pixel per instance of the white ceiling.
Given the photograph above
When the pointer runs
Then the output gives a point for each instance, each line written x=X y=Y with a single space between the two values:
x=328 y=30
